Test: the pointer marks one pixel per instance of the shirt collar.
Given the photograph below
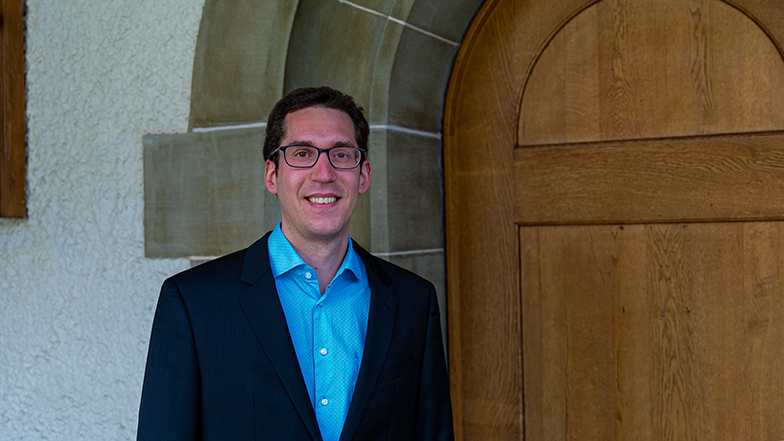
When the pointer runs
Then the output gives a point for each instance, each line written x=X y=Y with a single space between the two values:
x=284 y=258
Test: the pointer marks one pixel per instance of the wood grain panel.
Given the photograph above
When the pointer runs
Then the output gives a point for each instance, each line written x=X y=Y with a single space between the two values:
x=634 y=392
x=768 y=14
x=760 y=344
x=568 y=334
x=12 y=95
x=483 y=308
x=653 y=331
x=642 y=69
x=694 y=179
x=628 y=330
x=484 y=328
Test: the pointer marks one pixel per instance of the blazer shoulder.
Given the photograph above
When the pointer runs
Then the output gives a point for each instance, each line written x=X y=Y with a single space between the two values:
x=245 y=265
x=391 y=274
x=223 y=268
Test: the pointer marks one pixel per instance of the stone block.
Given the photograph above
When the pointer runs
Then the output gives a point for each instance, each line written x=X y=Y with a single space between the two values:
x=420 y=71
x=333 y=44
x=406 y=191
x=445 y=18
x=239 y=62
x=204 y=193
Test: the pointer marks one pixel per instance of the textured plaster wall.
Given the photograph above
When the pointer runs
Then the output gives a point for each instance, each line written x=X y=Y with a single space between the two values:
x=76 y=292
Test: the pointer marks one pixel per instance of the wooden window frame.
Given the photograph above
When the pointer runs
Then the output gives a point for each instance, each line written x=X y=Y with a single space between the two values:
x=13 y=158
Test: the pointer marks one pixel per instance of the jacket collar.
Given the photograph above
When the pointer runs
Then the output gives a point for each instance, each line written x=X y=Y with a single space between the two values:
x=262 y=308
x=381 y=324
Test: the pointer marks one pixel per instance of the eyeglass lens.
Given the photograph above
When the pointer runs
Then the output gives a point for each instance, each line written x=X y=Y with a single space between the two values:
x=306 y=156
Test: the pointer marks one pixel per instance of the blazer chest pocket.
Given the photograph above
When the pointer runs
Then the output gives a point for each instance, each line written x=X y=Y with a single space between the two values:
x=397 y=371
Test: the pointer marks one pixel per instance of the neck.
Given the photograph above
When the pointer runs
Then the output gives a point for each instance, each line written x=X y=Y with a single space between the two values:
x=324 y=256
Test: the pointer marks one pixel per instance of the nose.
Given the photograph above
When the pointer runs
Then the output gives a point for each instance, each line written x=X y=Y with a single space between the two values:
x=323 y=170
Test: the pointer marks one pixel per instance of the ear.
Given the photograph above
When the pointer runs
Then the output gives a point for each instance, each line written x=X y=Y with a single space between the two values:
x=364 y=177
x=271 y=177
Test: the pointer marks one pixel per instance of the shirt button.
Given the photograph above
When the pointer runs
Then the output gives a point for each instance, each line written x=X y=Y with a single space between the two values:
x=323 y=351
x=324 y=402
x=308 y=275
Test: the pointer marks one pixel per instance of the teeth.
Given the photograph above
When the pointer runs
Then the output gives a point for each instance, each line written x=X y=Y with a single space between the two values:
x=323 y=200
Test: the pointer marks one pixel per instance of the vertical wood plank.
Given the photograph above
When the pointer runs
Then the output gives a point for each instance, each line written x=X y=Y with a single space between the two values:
x=618 y=70
x=653 y=331
x=484 y=327
x=710 y=366
x=561 y=102
x=584 y=270
x=631 y=318
x=678 y=404
x=582 y=110
x=763 y=263
x=12 y=152
x=534 y=384
x=568 y=332
x=543 y=120
x=737 y=98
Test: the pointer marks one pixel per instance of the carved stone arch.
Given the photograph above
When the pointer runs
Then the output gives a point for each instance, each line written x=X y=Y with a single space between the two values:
x=393 y=56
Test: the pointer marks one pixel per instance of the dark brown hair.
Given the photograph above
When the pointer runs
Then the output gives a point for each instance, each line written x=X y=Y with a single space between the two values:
x=303 y=98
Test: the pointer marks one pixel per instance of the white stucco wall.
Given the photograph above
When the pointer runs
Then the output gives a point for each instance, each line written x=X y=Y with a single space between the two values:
x=76 y=292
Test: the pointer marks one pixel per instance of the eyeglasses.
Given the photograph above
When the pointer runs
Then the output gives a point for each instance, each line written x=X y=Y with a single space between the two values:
x=305 y=156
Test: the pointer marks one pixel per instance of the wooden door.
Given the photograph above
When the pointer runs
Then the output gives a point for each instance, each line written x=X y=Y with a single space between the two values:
x=614 y=181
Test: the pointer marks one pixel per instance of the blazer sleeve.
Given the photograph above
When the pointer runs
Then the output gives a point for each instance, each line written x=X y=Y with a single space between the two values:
x=434 y=411
x=169 y=407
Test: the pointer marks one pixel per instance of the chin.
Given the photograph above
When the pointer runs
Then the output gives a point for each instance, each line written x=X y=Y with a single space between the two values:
x=328 y=231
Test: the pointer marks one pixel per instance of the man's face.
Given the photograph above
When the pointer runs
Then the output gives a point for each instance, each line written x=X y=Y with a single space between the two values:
x=316 y=203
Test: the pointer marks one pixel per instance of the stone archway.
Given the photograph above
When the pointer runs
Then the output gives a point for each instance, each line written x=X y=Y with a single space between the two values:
x=395 y=61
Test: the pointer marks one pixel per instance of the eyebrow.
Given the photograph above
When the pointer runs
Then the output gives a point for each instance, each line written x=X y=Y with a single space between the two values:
x=310 y=144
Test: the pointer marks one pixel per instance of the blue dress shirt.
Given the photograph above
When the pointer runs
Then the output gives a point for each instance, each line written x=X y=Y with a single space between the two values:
x=328 y=331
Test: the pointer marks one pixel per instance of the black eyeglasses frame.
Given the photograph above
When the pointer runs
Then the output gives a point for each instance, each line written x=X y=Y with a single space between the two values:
x=362 y=153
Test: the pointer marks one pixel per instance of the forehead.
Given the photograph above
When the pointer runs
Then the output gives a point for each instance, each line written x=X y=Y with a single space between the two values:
x=313 y=125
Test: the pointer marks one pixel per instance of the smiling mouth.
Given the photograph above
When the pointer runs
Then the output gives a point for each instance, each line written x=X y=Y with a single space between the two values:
x=328 y=200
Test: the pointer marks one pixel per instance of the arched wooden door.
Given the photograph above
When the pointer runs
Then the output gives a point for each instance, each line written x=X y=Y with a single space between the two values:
x=614 y=181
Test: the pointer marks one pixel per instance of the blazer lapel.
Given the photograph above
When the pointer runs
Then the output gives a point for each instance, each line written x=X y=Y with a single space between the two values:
x=261 y=306
x=381 y=322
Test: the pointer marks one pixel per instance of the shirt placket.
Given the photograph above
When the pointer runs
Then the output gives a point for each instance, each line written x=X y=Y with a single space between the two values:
x=329 y=403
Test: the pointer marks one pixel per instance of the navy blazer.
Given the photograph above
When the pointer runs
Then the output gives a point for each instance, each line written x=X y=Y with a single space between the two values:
x=221 y=365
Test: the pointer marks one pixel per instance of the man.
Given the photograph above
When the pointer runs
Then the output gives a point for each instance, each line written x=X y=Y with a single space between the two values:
x=304 y=335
